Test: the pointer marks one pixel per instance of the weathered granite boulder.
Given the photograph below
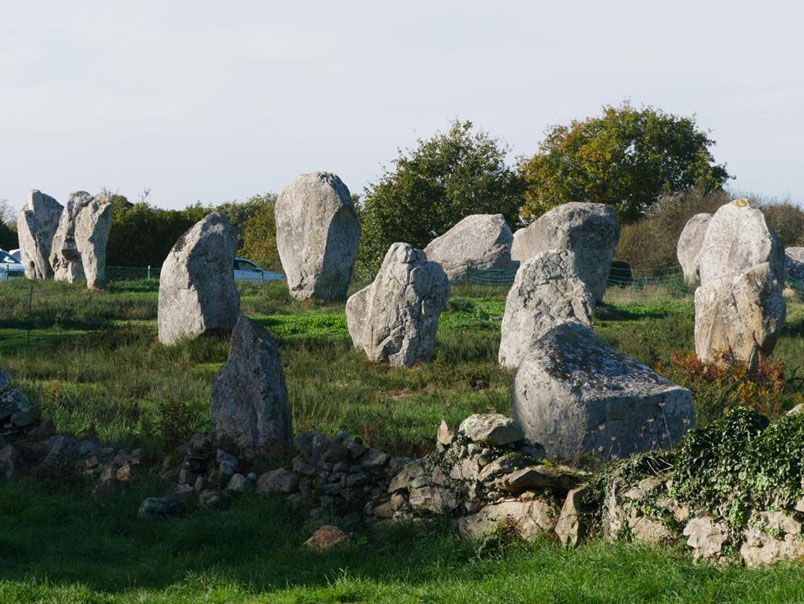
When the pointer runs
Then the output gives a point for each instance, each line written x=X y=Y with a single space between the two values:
x=591 y=230
x=794 y=263
x=689 y=244
x=396 y=317
x=92 y=227
x=65 y=258
x=575 y=394
x=706 y=537
x=317 y=234
x=249 y=398
x=79 y=244
x=528 y=519
x=739 y=307
x=776 y=536
x=547 y=291
x=36 y=225
x=197 y=294
x=479 y=241
x=739 y=317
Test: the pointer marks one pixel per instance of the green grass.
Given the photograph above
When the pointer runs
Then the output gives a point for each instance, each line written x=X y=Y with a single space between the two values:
x=91 y=360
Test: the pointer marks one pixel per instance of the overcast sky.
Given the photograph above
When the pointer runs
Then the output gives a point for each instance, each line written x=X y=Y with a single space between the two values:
x=214 y=101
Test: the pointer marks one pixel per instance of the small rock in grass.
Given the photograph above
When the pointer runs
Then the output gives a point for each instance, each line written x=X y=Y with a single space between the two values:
x=327 y=537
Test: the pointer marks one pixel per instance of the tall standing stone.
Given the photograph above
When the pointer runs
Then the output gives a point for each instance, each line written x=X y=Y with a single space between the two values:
x=478 y=242
x=574 y=394
x=317 y=235
x=590 y=230
x=547 y=291
x=36 y=226
x=739 y=307
x=197 y=293
x=688 y=248
x=65 y=258
x=395 y=319
x=92 y=227
x=249 y=397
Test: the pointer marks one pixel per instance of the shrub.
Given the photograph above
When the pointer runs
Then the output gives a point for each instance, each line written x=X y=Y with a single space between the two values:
x=626 y=158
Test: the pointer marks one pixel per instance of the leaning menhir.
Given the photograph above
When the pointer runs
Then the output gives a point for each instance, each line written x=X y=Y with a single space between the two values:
x=478 y=242
x=591 y=230
x=197 y=293
x=739 y=307
x=317 y=234
x=575 y=394
x=36 y=226
x=688 y=248
x=396 y=317
x=249 y=398
x=547 y=291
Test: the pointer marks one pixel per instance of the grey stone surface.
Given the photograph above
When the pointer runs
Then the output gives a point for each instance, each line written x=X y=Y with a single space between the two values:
x=575 y=394
x=688 y=248
x=739 y=307
x=479 y=241
x=36 y=226
x=395 y=319
x=739 y=317
x=92 y=227
x=249 y=398
x=317 y=235
x=547 y=291
x=794 y=263
x=197 y=294
x=706 y=537
x=65 y=259
x=490 y=428
x=79 y=244
x=529 y=518
x=591 y=230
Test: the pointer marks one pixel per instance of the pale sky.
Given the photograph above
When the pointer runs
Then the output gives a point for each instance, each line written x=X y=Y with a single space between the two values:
x=213 y=101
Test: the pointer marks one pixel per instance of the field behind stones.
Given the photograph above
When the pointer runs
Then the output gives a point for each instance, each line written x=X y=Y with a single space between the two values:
x=92 y=362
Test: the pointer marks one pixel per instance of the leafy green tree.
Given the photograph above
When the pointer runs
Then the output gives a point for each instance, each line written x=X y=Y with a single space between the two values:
x=259 y=238
x=626 y=158
x=432 y=187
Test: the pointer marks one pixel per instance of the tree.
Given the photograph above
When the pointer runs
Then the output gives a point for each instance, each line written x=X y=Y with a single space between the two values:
x=8 y=227
x=626 y=158
x=432 y=187
x=259 y=236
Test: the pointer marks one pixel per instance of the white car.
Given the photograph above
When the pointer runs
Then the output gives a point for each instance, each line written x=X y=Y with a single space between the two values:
x=246 y=270
x=10 y=267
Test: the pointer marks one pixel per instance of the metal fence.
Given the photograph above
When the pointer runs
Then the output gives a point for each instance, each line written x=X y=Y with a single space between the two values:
x=132 y=273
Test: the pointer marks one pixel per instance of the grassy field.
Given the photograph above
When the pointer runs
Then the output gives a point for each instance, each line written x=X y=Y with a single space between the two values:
x=91 y=360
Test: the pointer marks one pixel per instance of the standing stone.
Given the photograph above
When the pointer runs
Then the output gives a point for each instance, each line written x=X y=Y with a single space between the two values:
x=688 y=248
x=575 y=394
x=36 y=225
x=249 y=398
x=197 y=294
x=591 y=230
x=739 y=307
x=547 y=291
x=65 y=259
x=794 y=263
x=479 y=242
x=92 y=227
x=317 y=234
x=396 y=317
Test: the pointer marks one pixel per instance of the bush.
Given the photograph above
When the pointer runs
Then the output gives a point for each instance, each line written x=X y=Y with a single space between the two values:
x=434 y=186
x=626 y=158
x=651 y=242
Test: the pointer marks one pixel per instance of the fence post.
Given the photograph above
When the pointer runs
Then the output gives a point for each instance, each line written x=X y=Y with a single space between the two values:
x=149 y=272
